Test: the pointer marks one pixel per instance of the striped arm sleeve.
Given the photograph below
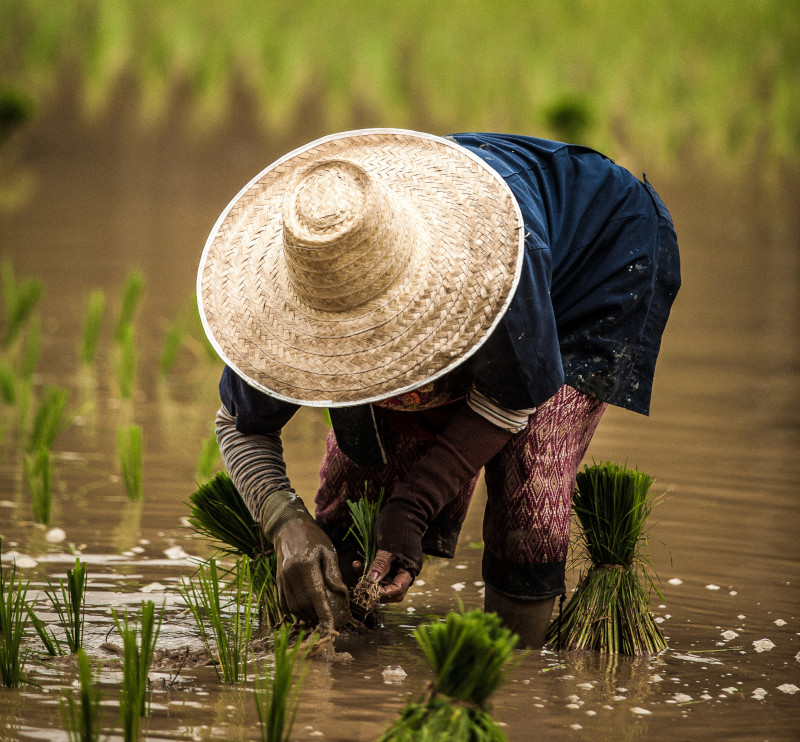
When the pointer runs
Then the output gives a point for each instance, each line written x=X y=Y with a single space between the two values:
x=254 y=462
x=515 y=421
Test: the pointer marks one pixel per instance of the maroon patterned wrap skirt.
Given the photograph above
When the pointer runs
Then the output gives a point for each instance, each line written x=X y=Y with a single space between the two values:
x=529 y=495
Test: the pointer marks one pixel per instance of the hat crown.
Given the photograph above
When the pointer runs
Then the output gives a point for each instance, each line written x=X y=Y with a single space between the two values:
x=346 y=237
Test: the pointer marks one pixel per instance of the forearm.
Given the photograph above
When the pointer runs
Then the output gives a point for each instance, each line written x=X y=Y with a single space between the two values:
x=254 y=462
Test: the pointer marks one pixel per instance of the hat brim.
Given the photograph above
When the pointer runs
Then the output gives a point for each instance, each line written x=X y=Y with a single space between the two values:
x=431 y=320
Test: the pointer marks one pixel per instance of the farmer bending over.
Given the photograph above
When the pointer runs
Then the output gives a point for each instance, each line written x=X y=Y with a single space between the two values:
x=462 y=303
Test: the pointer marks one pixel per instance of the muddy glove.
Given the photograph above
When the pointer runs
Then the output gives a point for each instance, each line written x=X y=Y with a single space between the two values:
x=467 y=443
x=309 y=583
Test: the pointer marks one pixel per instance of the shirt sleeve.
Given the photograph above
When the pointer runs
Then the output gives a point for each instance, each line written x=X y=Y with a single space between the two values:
x=254 y=462
x=514 y=421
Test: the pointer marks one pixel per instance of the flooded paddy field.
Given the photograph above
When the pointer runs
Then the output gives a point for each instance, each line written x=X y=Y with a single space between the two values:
x=722 y=442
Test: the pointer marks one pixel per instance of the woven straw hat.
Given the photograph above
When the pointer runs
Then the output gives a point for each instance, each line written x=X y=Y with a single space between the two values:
x=360 y=266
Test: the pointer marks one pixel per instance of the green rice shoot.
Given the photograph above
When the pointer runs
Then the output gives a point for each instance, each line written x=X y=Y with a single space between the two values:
x=50 y=641
x=69 y=601
x=92 y=326
x=173 y=340
x=276 y=694
x=38 y=471
x=8 y=384
x=209 y=460
x=13 y=625
x=31 y=348
x=81 y=715
x=470 y=653
x=139 y=635
x=218 y=513
x=365 y=596
x=20 y=298
x=132 y=291
x=223 y=618
x=609 y=610
x=125 y=361
x=49 y=419
x=129 y=452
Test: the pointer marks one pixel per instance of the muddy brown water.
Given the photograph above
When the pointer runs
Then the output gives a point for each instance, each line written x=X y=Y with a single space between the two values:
x=722 y=440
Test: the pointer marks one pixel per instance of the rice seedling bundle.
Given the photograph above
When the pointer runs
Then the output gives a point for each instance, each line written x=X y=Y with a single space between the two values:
x=219 y=514
x=609 y=610
x=365 y=596
x=469 y=652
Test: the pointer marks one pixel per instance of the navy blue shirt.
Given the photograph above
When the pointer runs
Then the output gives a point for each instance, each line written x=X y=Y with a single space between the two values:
x=600 y=273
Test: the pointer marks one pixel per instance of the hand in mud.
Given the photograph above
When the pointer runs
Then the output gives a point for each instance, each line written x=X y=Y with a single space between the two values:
x=396 y=580
x=309 y=583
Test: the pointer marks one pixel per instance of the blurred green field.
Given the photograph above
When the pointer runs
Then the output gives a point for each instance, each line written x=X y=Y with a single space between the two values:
x=662 y=78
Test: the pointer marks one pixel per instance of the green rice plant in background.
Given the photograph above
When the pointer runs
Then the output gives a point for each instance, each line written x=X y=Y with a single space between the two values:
x=173 y=340
x=209 y=460
x=16 y=107
x=13 y=625
x=219 y=514
x=49 y=419
x=8 y=384
x=69 y=601
x=129 y=452
x=38 y=470
x=139 y=635
x=132 y=292
x=223 y=617
x=469 y=652
x=719 y=77
x=81 y=715
x=92 y=325
x=31 y=349
x=125 y=361
x=19 y=300
x=276 y=693
x=610 y=608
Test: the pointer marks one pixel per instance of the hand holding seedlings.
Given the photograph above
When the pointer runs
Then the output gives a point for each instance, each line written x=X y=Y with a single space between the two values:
x=309 y=583
x=399 y=580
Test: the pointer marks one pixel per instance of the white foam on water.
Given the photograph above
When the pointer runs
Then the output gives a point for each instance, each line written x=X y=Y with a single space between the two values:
x=763 y=645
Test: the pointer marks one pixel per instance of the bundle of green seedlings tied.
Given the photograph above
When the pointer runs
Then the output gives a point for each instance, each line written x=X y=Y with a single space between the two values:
x=469 y=652
x=219 y=514
x=365 y=596
x=610 y=608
